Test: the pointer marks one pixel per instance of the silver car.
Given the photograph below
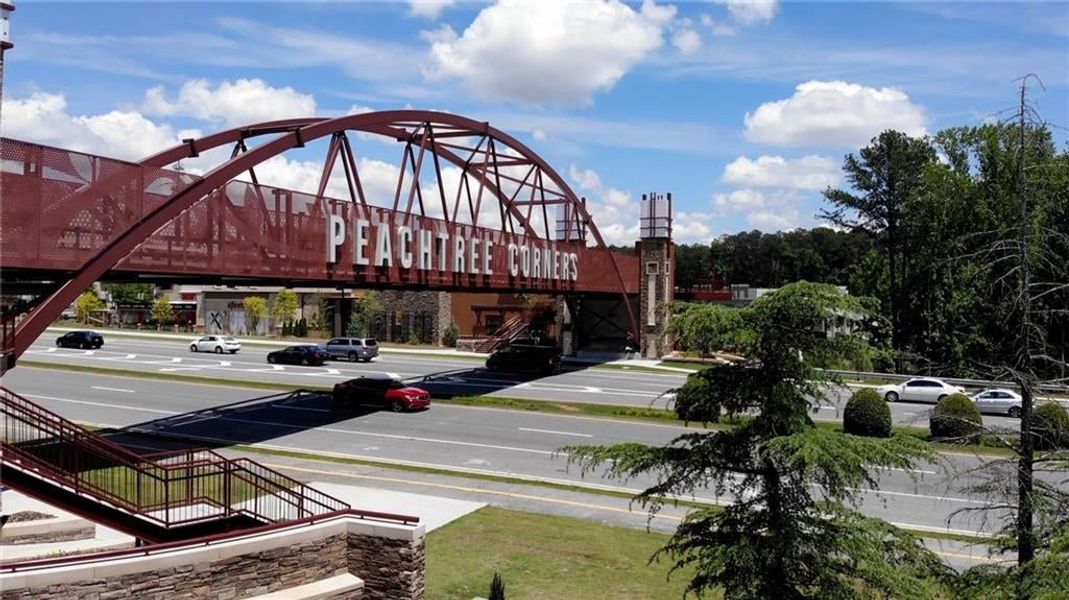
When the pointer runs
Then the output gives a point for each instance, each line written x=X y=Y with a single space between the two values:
x=352 y=349
x=922 y=389
x=999 y=402
x=215 y=343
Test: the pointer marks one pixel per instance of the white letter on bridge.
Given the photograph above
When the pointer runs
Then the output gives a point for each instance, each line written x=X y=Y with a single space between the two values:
x=335 y=237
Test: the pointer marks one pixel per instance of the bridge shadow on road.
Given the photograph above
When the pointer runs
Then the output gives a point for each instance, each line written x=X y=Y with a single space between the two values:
x=265 y=418
x=244 y=422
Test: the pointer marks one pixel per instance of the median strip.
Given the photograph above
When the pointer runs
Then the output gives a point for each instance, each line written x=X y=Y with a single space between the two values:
x=621 y=412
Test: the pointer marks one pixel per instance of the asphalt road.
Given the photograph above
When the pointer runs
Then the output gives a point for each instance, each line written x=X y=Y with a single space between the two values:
x=482 y=440
x=466 y=376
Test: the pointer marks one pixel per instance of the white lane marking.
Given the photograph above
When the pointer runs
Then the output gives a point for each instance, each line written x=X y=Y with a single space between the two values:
x=925 y=496
x=586 y=435
x=104 y=404
x=111 y=389
x=921 y=471
x=176 y=369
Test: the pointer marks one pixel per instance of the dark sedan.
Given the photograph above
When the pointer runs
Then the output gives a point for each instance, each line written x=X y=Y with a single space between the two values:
x=298 y=355
x=80 y=339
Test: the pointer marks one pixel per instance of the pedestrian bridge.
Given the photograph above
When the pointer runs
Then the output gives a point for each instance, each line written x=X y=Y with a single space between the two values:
x=473 y=209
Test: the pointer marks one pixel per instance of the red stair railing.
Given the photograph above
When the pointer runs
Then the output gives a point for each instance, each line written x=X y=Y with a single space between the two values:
x=170 y=490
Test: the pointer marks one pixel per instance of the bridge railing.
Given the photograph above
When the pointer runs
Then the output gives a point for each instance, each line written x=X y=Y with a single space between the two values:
x=170 y=490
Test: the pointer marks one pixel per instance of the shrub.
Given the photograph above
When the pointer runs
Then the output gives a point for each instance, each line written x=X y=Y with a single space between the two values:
x=955 y=418
x=450 y=336
x=692 y=400
x=1050 y=426
x=867 y=414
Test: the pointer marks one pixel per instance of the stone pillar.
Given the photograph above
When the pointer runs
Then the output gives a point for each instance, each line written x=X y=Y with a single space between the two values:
x=657 y=263
x=438 y=305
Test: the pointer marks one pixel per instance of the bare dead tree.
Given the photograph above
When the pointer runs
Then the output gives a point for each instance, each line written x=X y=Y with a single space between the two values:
x=1028 y=490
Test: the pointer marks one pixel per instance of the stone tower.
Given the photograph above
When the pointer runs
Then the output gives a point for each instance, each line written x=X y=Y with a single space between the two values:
x=657 y=288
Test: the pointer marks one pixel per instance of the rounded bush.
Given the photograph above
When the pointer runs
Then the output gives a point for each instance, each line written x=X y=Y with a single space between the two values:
x=867 y=414
x=693 y=400
x=1050 y=424
x=955 y=418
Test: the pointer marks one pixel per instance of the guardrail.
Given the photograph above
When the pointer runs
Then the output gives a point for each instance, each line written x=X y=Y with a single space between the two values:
x=952 y=380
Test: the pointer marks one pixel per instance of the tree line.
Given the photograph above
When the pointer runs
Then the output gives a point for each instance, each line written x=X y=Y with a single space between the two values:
x=924 y=229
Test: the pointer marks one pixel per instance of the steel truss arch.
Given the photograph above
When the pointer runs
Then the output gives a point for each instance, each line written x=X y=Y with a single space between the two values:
x=492 y=163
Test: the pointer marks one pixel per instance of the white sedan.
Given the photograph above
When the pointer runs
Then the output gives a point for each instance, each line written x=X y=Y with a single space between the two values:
x=215 y=343
x=999 y=402
x=922 y=389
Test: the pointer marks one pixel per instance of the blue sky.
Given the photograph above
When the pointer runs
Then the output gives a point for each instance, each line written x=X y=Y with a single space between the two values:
x=743 y=110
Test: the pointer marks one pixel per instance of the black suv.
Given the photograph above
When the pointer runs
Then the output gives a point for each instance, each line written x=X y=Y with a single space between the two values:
x=516 y=358
x=80 y=339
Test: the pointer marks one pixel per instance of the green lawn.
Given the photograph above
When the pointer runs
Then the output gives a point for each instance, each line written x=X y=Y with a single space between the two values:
x=546 y=558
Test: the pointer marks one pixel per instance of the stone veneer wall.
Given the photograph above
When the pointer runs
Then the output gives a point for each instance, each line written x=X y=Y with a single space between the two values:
x=437 y=304
x=389 y=558
x=390 y=568
x=661 y=252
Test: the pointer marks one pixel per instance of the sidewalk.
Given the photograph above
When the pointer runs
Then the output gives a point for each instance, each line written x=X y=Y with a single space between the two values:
x=449 y=353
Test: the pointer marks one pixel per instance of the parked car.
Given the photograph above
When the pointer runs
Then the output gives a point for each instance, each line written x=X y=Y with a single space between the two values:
x=386 y=391
x=515 y=358
x=922 y=389
x=352 y=349
x=999 y=402
x=80 y=339
x=305 y=354
x=215 y=343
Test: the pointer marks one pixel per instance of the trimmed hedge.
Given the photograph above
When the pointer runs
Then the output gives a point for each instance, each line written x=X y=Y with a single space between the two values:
x=1050 y=425
x=867 y=415
x=956 y=418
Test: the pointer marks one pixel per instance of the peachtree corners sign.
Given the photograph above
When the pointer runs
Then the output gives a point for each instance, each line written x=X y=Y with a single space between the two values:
x=445 y=248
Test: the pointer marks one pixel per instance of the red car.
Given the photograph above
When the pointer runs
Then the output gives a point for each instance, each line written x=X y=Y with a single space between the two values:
x=380 y=390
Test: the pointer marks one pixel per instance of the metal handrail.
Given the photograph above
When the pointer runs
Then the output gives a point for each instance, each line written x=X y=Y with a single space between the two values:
x=155 y=485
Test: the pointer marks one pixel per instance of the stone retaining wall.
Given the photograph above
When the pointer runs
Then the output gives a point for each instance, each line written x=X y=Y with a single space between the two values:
x=389 y=558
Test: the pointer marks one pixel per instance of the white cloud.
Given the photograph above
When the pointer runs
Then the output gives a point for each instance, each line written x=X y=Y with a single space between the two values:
x=616 y=212
x=556 y=53
x=806 y=173
x=774 y=220
x=241 y=102
x=768 y=210
x=718 y=28
x=834 y=113
x=750 y=12
x=539 y=135
x=738 y=200
x=586 y=179
x=687 y=41
x=127 y=135
x=429 y=9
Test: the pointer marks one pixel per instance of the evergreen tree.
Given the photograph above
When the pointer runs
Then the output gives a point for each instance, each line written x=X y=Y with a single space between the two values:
x=779 y=539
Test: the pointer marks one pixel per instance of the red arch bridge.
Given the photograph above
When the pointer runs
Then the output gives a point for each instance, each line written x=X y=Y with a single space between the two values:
x=473 y=209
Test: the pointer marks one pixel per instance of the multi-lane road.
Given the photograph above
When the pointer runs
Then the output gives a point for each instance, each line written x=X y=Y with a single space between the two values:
x=490 y=441
x=465 y=376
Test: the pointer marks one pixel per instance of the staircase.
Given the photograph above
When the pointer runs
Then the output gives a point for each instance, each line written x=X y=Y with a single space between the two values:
x=169 y=496
x=538 y=316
